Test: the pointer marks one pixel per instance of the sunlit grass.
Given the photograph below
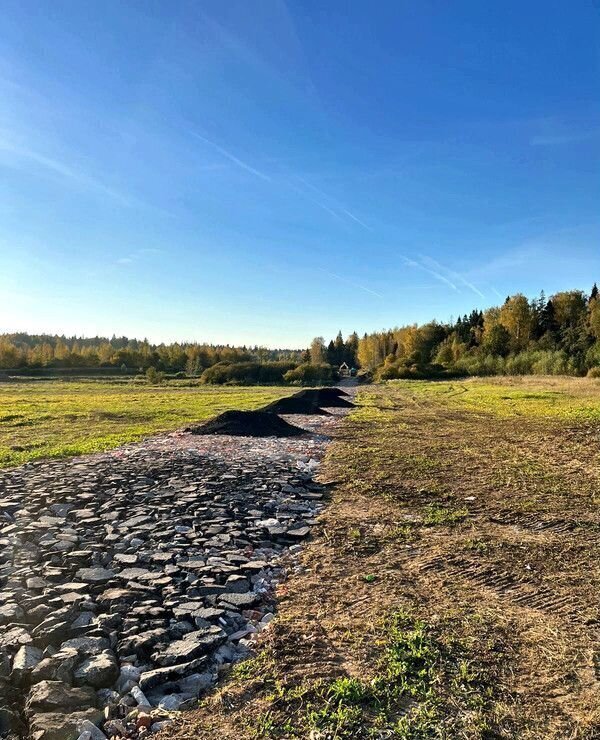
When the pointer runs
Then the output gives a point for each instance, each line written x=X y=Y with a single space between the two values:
x=572 y=399
x=57 y=418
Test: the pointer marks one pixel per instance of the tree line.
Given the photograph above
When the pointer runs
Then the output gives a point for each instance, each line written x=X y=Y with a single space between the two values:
x=19 y=351
x=556 y=336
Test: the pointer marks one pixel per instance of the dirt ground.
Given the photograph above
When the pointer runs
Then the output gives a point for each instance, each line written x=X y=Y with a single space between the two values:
x=453 y=587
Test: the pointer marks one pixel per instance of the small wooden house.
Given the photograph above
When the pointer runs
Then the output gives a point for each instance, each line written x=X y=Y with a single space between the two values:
x=344 y=370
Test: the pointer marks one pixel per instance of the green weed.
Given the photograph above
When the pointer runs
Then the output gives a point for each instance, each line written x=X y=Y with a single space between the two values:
x=439 y=515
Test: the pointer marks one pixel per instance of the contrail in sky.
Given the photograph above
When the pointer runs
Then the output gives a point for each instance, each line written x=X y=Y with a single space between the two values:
x=350 y=282
x=358 y=221
x=500 y=296
x=325 y=195
x=232 y=157
x=455 y=275
x=436 y=275
x=316 y=202
x=64 y=170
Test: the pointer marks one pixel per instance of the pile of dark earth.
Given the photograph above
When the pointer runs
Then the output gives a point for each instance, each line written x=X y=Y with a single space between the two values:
x=324 y=397
x=248 y=424
x=296 y=405
x=131 y=580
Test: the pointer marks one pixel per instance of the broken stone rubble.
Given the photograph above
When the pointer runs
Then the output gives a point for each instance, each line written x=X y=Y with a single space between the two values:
x=129 y=580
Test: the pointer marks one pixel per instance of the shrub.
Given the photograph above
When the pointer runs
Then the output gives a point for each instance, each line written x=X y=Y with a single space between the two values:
x=594 y=372
x=552 y=362
x=310 y=374
x=407 y=369
x=476 y=364
x=246 y=373
x=154 y=376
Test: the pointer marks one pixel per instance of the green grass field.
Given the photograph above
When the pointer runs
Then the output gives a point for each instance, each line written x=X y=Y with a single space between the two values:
x=57 y=418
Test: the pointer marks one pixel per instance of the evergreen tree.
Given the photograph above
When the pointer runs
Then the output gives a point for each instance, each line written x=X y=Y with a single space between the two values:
x=351 y=350
x=339 y=349
x=548 y=323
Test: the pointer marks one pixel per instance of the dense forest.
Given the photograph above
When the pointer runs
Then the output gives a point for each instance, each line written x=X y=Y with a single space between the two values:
x=216 y=364
x=45 y=351
x=559 y=335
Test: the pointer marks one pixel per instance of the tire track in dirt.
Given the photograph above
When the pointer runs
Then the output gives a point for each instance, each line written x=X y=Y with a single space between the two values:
x=519 y=590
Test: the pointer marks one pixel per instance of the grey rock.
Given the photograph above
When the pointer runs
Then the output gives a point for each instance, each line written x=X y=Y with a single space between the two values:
x=95 y=733
x=150 y=679
x=53 y=696
x=139 y=696
x=193 y=645
x=87 y=645
x=59 y=725
x=239 y=601
x=196 y=683
x=129 y=675
x=99 y=671
x=10 y=723
x=143 y=643
x=94 y=575
x=5 y=666
x=174 y=702
x=237 y=584
x=24 y=662
x=14 y=637
x=10 y=612
x=57 y=667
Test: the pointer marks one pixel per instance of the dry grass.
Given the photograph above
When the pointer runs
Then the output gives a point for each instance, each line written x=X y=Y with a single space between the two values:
x=467 y=514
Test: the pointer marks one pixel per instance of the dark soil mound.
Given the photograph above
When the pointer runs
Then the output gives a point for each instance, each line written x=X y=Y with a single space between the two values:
x=248 y=424
x=295 y=405
x=325 y=397
x=335 y=390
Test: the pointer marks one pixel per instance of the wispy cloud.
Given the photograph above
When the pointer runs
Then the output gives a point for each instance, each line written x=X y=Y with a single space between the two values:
x=350 y=282
x=343 y=210
x=456 y=276
x=335 y=210
x=125 y=261
x=497 y=293
x=62 y=169
x=434 y=273
x=231 y=157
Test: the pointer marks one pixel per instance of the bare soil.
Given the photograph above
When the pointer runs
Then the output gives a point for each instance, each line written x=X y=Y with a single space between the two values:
x=480 y=520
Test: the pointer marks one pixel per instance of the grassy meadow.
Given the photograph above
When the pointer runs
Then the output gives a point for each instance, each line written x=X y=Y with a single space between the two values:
x=57 y=418
x=452 y=589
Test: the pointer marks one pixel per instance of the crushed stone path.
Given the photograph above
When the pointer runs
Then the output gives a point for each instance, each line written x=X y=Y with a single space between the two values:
x=131 y=579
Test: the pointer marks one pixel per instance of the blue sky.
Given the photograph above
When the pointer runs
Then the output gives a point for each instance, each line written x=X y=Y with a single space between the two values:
x=267 y=171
